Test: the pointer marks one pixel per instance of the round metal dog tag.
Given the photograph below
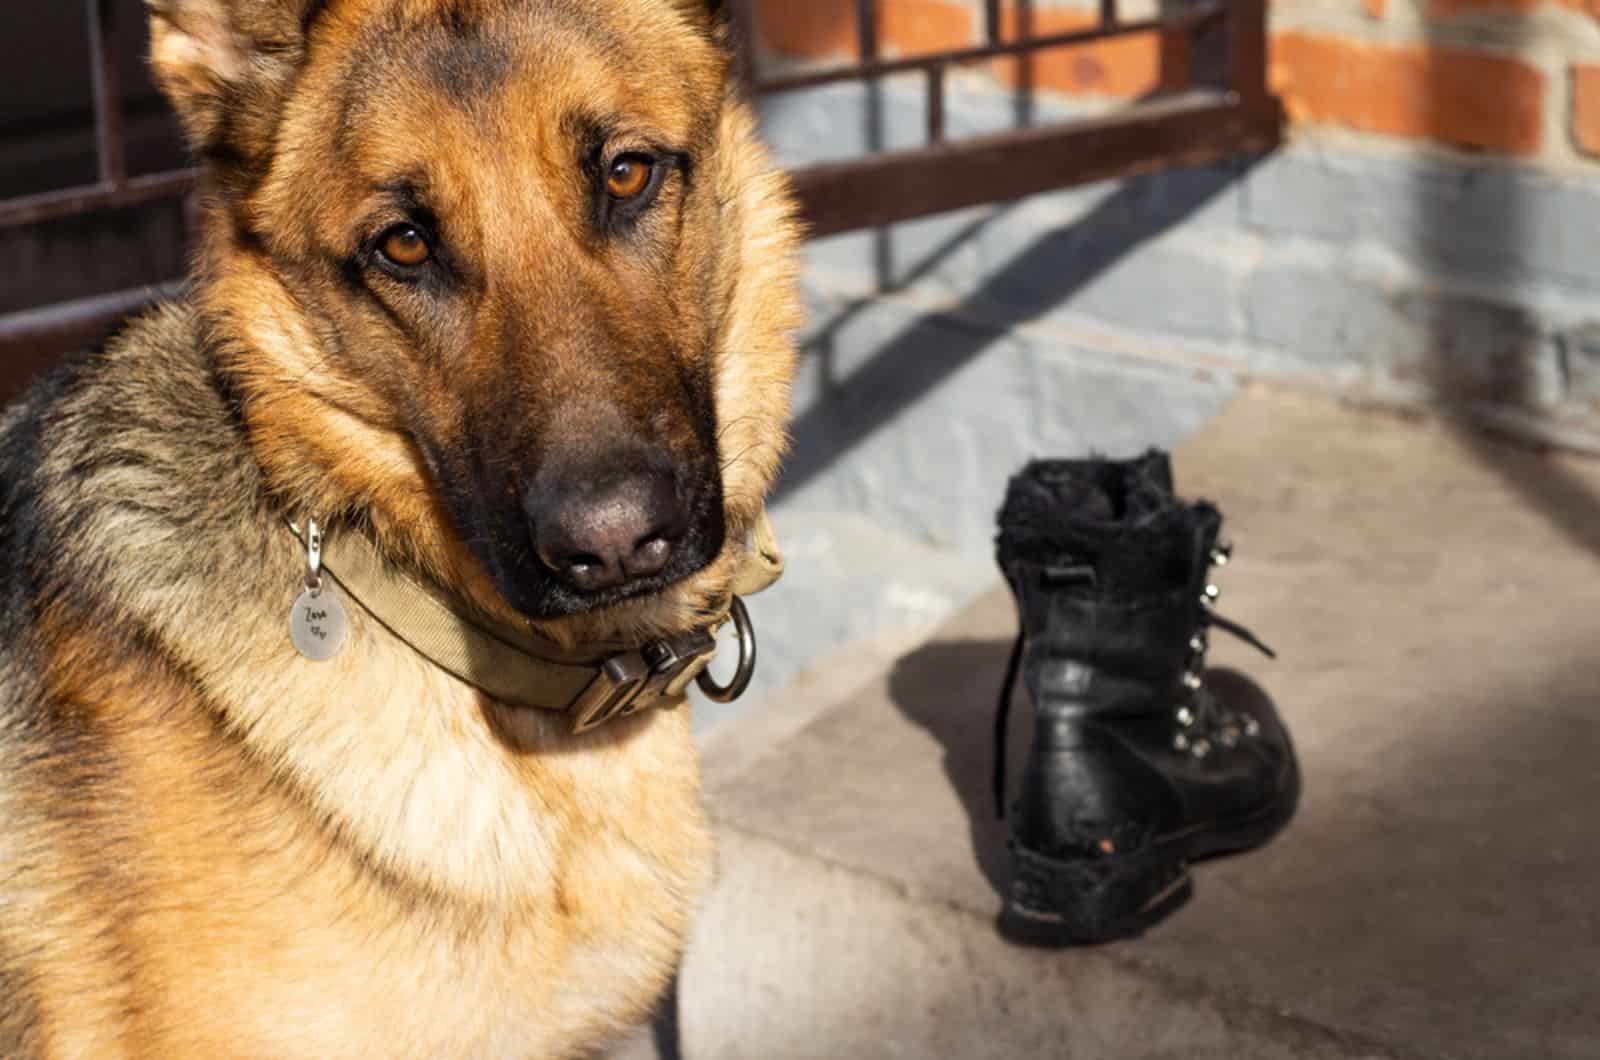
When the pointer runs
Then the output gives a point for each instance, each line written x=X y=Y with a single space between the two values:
x=317 y=625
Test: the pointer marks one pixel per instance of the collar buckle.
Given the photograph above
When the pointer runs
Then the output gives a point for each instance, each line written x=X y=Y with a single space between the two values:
x=630 y=682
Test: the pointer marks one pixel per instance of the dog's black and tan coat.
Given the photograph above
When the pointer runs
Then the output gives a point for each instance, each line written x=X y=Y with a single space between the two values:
x=505 y=286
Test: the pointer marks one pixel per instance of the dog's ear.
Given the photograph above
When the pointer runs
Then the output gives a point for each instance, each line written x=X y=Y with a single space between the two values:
x=711 y=13
x=227 y=66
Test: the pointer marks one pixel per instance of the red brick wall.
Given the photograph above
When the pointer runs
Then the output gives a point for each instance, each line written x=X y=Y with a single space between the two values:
x=1518 y=78
x=1119 y=69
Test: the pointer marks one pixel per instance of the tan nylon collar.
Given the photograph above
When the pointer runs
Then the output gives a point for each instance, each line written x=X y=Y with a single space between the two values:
x=602 y=682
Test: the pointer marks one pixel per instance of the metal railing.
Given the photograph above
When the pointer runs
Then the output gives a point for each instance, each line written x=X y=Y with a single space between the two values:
x=1223 y=108
x=114 y=188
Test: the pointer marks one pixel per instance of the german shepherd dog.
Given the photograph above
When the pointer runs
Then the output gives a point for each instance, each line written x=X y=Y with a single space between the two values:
x=504 y=290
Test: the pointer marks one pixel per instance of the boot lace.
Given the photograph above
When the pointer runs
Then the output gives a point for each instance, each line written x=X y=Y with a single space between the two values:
x=1203 y=723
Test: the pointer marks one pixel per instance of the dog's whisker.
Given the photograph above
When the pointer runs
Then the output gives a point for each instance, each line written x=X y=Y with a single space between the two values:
x=746 y=451
x=737 y=421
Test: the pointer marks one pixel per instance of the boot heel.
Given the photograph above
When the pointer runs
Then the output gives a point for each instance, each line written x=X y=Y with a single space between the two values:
x=1065 y=901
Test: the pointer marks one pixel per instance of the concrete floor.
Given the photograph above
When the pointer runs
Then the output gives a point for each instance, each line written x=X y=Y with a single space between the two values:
x=1435 y=602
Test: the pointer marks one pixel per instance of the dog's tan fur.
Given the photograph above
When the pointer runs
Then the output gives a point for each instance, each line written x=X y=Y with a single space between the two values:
x=213 y=847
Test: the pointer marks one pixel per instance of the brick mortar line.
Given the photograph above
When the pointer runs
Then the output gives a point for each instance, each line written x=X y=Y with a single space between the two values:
x=1558 y=158
x=1555 y=301
x=1336 y=140
x=1564 y=30
x=1235 y=1011
x=1363 y=386
x=1546 y=54
x=1551 y=43
x=1111 y=347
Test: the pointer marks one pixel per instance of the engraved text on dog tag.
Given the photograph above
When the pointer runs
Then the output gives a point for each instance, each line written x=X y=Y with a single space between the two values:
x=317 y=625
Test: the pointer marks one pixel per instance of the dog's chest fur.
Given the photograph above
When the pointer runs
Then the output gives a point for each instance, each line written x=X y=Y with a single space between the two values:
x=225 y=849
x=598 y=866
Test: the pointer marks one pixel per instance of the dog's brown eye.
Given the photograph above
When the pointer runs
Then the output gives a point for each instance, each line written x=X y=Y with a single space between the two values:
x=629 y=177
x=405 y=246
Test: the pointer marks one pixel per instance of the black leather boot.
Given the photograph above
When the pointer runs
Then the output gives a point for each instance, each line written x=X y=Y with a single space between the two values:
x=1142 y=761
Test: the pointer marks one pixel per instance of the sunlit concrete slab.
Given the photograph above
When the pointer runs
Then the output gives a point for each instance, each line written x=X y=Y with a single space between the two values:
x=1435 y=602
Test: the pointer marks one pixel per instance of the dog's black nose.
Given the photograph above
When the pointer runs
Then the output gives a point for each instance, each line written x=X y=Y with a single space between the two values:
x=599 y=532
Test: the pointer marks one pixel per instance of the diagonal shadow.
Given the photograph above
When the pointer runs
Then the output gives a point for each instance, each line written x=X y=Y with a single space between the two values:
x=948 y=687
x=1544 y=485
x=1040 y=277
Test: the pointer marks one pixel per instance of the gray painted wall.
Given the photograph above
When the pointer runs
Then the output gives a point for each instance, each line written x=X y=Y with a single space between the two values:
x=942 y=354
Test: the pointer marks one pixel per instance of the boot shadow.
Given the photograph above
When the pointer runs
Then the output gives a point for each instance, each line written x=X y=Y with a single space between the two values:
x=950 y=688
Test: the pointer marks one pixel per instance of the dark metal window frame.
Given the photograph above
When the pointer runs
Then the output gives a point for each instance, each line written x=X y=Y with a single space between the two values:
x=114 y=188
x=1224 y=110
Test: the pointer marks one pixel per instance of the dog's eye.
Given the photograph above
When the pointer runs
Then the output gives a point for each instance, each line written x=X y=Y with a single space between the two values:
x=629 y=176
x=406 y=247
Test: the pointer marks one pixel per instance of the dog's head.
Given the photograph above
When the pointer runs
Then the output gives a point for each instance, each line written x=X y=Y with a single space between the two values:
x=511 y=278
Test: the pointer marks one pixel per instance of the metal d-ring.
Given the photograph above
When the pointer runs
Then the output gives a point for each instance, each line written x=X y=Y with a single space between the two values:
x=747 y=660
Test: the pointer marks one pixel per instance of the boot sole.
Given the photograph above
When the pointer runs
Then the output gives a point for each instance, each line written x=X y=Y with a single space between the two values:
x=1055 y=902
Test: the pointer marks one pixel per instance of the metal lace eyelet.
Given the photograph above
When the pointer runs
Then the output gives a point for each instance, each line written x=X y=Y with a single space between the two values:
x=1222 y=554
x=1198 y=644
x=1200 y=748
x=1193 y=682
x=1186 y=717
x=1180 y=742
x=1211 y=595
x=1229 y=736
x=1252 y=727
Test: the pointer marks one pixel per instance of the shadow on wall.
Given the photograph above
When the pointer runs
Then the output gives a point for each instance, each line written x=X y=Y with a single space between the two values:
x=1476 y=354
x=1039 y=277
x=915 y=362
x=1473 y=106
